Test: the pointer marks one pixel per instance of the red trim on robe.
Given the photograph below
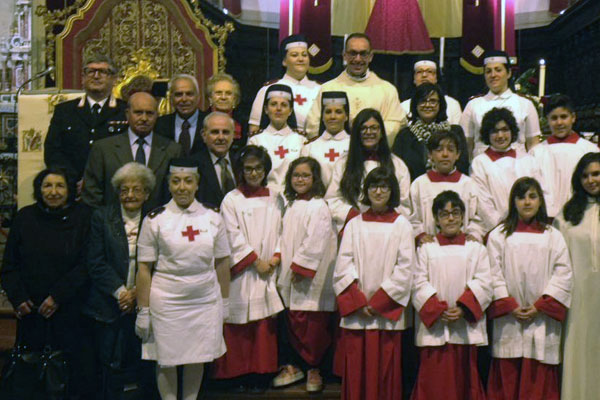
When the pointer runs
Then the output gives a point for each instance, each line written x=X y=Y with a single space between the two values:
x=250 y=192
x=500 y=308
x=370 y=364
x=243 y=264
x=251 y=348
x=310 y=334
x=300 y=270
x=458 y=240
x=570 y=138
x=278 y=255
x=471 y=306
x=551 y=307
x=496 y=155
x=419 y=237
x=351 y=214
x=432 y=310
x=385 y=305
x=532 y=227
x=522 y=378
x=351 y=299
x=388 y=216
x=435 y=176
x=304 y=196
x=448 y=372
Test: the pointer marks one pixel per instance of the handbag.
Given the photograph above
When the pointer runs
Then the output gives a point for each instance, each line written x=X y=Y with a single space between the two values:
x=32 y=374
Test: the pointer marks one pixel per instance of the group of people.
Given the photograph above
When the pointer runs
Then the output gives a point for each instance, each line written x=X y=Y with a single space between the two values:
x=336 y=220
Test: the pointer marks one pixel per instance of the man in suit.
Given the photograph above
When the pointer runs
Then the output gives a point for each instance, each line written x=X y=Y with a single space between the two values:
x=215 y=160
x=139 y=144
x=76 y=124
x=184 y=126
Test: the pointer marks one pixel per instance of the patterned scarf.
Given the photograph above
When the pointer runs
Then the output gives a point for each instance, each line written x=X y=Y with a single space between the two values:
x=423 y=131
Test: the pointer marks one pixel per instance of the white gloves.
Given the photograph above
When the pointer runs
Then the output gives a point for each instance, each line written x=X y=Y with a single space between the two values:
x=142 y=324
x=225 y=309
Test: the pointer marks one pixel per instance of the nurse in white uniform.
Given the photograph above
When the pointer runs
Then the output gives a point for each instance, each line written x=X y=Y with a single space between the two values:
x=182 y=284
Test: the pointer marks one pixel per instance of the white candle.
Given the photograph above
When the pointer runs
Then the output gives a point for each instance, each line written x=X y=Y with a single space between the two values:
x=542 y=83
x=442 y=48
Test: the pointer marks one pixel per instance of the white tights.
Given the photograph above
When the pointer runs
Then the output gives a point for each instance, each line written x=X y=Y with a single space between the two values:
x=167 y=381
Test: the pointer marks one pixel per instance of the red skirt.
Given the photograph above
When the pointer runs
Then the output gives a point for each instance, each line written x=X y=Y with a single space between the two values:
x=251 y=349
x=448 y=372
x=522 y=379
x=310 y=334
x=370 y=364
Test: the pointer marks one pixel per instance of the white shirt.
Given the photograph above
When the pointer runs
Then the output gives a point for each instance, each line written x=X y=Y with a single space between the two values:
x=91 y=102
x=134 y=146
x=215 y=162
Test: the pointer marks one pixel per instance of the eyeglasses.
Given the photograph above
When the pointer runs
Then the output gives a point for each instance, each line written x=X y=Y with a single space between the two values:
x=370 y=128
x=504 y=129
x=381 y=188
x=429 y=102
x=354 y=54
x=90 y=72
x=302 y=176
x=259 y=169
x=447 y=214
x=124 y=191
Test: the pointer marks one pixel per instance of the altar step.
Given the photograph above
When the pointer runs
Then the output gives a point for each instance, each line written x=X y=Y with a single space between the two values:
x=295 y=392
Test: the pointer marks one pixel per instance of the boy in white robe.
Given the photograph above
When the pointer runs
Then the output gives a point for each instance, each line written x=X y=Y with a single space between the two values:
x=452 y=287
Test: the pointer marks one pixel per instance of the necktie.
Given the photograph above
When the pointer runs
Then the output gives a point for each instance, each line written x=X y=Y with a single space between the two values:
x=140 y=154
x=95 y=113
x=227 y=182
x=184 y=138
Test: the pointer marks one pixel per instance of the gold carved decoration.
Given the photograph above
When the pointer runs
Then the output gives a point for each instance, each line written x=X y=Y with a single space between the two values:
x=54 y=100
x=32 y=140
x=218 y=33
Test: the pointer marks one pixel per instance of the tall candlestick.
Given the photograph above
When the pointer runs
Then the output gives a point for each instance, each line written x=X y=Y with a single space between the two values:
x=542 y=84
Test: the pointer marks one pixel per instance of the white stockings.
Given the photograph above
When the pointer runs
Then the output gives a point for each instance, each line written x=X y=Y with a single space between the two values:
x=167 y=381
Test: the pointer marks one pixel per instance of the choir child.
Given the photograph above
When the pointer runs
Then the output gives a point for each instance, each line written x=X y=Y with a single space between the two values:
x=278 y=135
x=496 y=169
x=532 y=280
x=372 y=281
x=559 y=155
x=308 y=251
x=451 y=289
x=443 y=147
x=368 y=149
x=252 y=215
x=334 y=138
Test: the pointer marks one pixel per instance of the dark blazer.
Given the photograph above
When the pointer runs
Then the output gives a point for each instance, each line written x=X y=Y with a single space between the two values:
x=108 y=263
x=414 y=153
x=165 y=126
x=110 y=154
x=73 y=129
x=209 y=190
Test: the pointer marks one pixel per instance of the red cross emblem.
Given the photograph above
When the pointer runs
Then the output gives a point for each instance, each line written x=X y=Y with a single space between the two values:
x=332 y=155
x=190 y=233
x=299 y=99
x=281 y=152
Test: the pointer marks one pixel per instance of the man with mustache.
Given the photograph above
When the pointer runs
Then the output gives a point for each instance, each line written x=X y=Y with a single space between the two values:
x=138 y=144
x=364 y=88
x=215 y=160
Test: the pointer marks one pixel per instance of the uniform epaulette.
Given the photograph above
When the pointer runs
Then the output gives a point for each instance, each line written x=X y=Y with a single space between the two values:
x=255 y=133
x=299 y=132
x=211 y=207
x=271 y=82
x=476 y=96
x=310 y=140
x=525 y=96
x=156 y=211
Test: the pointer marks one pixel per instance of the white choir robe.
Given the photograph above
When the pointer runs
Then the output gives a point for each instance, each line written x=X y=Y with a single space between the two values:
x=453 y=109
x=527 y=265
x=305 y=91
x=494 y=173
x=377 y=257
x=327 y=149
x=253 y=228
x=445 y=268
x=340 y=208
x=308 y=247
x=426 y=187
x=283 y=146
x=557 y=160
x=521 y=107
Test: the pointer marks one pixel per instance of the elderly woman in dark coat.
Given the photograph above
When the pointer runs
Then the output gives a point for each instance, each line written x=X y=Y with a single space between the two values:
x=44 y=270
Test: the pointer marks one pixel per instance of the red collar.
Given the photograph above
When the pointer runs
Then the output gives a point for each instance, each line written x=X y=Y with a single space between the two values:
x=496 y=155
x=458 y=240
x=570 y=138
x=388 y=216
x=532 y=227
x=371 y=155
x=249 y=192
x=305 y=196
x=435 y=176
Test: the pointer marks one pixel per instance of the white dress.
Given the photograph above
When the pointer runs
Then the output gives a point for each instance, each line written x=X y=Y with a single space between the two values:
x=526 y=266
x=327 y=149
x=253 y=228
x=186 y=308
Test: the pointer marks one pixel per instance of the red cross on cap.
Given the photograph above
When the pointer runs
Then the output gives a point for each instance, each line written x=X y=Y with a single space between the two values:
x=190 y=233
x=332 y=155
x=299 y=99
x=281 y=152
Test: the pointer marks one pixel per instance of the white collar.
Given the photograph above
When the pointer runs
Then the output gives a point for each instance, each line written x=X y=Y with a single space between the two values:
x=192 y=208
x=358 y=79
x=91 y=102
x=342 y=135
x=288 y=78
x=504 y=95
x=133 y=137
x=216 y=158
x=192 y=120
x=286 y=130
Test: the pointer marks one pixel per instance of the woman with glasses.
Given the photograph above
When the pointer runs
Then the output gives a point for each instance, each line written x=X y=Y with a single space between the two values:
x=428 y=115
x=368 y=149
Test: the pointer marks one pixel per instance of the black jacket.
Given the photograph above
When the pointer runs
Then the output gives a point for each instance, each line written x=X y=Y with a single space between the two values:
x=209 y=190
x=165 y=126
